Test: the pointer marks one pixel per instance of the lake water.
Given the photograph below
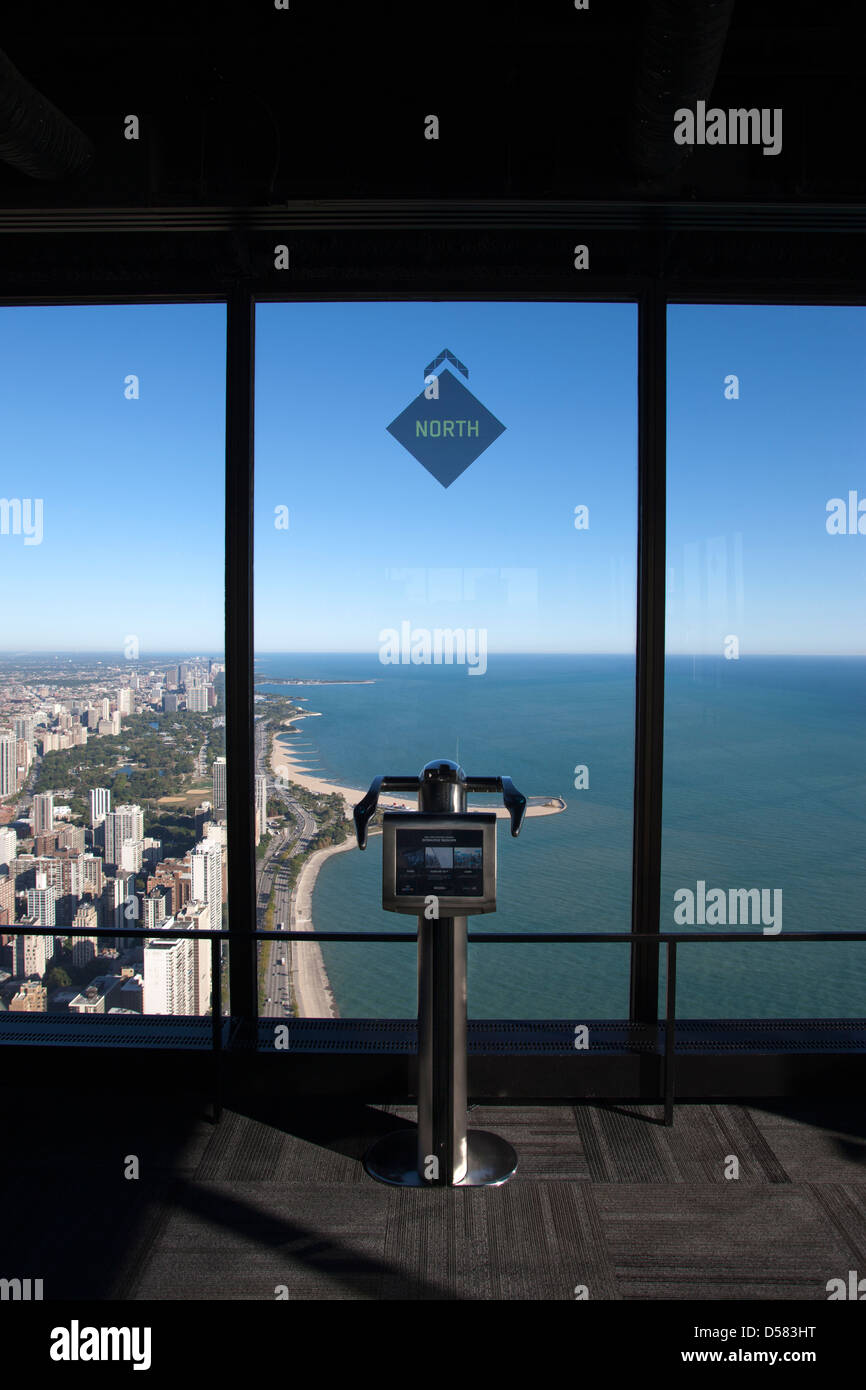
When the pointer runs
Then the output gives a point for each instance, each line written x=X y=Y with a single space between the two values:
x=764 y=786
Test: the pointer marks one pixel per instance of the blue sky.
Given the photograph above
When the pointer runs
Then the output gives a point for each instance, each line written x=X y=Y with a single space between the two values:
x=132 y=489
x=762 y=468
x=381 y=542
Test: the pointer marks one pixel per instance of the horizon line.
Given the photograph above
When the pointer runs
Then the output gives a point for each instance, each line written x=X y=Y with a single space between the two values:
x=268 y=652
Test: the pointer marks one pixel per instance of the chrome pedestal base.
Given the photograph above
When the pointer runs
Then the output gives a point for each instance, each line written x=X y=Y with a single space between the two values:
x=394 y=1160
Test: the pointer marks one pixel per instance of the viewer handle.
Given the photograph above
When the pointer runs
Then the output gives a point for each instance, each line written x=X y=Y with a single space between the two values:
x=366 y=808
x=515 y=801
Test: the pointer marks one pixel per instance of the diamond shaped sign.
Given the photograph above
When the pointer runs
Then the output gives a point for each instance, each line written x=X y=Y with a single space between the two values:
x=446 y=435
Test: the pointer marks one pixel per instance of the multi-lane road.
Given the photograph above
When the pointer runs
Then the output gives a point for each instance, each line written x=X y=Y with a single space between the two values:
x=296 y=837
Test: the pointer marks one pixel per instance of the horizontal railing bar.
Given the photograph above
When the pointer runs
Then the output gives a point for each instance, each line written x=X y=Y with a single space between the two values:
x=663 y=936
x=524 y=938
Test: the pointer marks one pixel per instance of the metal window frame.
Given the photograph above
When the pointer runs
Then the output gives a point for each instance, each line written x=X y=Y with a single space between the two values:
x=653 y=294
x=648 y=297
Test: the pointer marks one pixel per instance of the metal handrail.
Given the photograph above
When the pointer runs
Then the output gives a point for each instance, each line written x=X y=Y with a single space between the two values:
x=670 y=940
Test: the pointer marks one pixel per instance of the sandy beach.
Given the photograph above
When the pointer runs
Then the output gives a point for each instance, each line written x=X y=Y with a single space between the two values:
x=310 y=982
x=287 y=764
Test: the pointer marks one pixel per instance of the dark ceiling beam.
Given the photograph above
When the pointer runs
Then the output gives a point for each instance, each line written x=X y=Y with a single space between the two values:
x=36 y=138
x=424 y=214
x=681 y=47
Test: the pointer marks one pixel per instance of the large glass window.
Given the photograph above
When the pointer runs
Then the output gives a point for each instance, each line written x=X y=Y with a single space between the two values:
x=473 y=604
x=765 y=755
x=112 y=715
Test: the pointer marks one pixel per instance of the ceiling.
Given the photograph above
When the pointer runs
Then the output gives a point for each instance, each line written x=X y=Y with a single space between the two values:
x=313 y=117
x=244 y=104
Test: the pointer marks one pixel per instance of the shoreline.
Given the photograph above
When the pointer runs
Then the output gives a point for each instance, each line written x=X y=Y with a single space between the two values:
x=286 y=764
x=310 y=983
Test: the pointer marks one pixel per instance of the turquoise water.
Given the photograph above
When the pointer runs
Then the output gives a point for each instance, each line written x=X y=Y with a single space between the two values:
x=765 y=772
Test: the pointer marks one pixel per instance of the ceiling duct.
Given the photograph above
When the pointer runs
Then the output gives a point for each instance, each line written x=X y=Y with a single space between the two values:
x=681 y=47
x=35 y=137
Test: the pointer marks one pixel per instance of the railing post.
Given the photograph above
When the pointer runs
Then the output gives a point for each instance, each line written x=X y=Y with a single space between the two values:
x=670 y=1030
x=216 y=989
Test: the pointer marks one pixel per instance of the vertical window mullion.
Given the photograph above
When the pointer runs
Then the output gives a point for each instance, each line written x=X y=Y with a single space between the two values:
x=649 y=702
x=240 y=766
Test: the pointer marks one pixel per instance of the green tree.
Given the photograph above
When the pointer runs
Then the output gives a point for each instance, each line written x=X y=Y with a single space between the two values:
x=57 y=978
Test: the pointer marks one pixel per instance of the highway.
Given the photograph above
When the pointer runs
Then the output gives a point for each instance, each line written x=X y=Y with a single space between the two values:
x=277 y=1001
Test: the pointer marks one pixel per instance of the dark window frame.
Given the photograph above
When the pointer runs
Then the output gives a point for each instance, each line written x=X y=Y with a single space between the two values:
x=653 y=293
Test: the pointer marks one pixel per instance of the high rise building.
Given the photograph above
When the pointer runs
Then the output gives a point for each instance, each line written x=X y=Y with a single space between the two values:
x=151 y=852
x=100 y=804
x=71 y=837
x=8 y=763
x=168 y=975
x=196 y=699
x=219 y=784
x=131 y=856
x=154 y=909
x=118 y=900
x=8 y=843
x=123 y=823
x=45 y=844
x=195 y=916
x=31 y=953
x=125 y=700
x=85 y=948
x=25 y=727
x=92 y=875
x=206 y=884
x=43 y=813
x=261 y=805
x=218 y=830
x=7 y=900
x=174 y=876
x=41 y=902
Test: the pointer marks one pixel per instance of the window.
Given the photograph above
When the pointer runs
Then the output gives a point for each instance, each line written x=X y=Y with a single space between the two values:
x=112 y=719
x=765 y=758
x=487 y=616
